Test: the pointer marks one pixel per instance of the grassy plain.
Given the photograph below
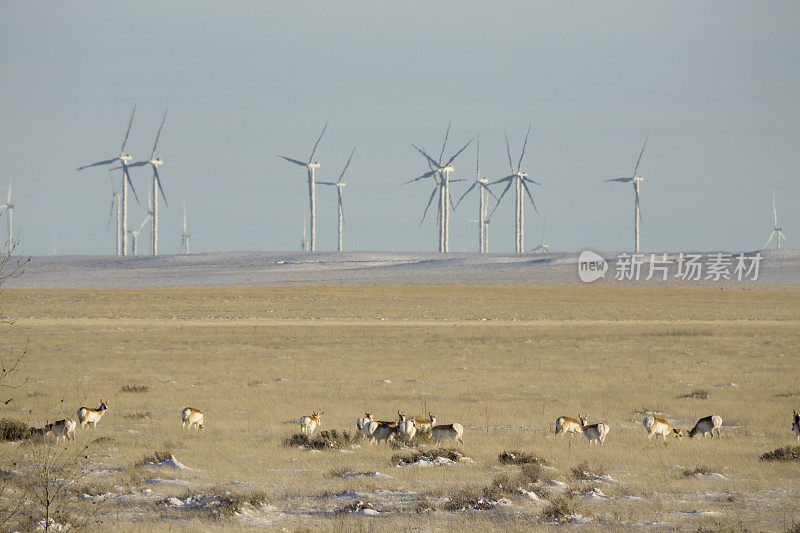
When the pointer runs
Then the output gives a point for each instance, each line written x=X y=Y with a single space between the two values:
x=503 y=360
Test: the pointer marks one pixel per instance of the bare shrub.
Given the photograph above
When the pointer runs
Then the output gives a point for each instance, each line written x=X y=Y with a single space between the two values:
x=583 y=471
x=697 y=394
x=355 y=506
x=324 y=440
x=157 y=457
x=701 y=470
x=519 y=458
x=412 y=457
x=134 y=388
x=467 y=499
x=789 y=453
x=146 y=415
x=559 y=511
x=13 y=430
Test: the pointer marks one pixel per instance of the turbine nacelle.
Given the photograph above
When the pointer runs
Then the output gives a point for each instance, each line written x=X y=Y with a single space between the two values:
x=313 y=165
x=156 y=162
x=126 y=158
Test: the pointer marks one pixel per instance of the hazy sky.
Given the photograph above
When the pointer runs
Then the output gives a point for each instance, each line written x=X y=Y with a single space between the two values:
x=715 y=86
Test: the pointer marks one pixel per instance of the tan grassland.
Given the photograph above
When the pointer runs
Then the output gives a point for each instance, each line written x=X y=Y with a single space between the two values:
x=503 y=360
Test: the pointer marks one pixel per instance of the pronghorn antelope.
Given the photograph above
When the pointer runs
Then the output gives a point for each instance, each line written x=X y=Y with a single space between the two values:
x=796 y=424
x=41 y=432
x=659 y=426
x=450 y=431
x=595 y=432
x=567 y=424
x=406 y=426
x=309 y=423
x=87 y=415
x=362 y=422
x=193 y=417
x=425 y=424
x=381 y=431
x=62 y=429
x=707 y=425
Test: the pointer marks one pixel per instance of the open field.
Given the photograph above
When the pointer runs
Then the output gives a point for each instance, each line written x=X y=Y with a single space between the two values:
x=503 y=360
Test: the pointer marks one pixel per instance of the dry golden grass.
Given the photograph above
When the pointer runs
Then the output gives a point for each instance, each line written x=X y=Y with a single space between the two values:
x=503 y=360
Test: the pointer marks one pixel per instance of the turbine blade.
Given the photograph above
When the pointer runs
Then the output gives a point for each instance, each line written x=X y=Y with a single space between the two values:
x=160 y=188
x=136 y=164
x=636 y=168
x=512 y=176
x=524 y=145
x=342 y=206
x=310 y=159
x=508 y=151
x=8 y=199
x=99 y=163
x=621 y=180
x=478 y=155
x=501 y=197
x=431 y=161
x=325 y=182
x=784 y=237
x=430 y=200
x=458 y=153
x=295 y=161
x=128 y=177
x=155 y=144
x=426 y=175
x=774 y=211
x=465 y=194
x=771 y=235
x=486 y=187
x=446 y=135
x=128 y=131
x=637 y=204
x=347 y=164
x=184 y=217
x=527 y=190
x=110 y=212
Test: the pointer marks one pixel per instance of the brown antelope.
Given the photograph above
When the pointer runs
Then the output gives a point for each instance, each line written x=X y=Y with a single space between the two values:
x=406 y=426
x=796 y=424
x=707 y=425
x=595 y=432
x=450 y=431
x=193 y=417
x=62 y=429
x=425 y=424
x=87 y=415
x=659 y=426
x=567 y=424
x=309 y=423
x=362 y=422
x=381 y=431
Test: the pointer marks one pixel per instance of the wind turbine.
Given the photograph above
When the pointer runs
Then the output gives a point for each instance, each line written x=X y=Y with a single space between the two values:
x=483 y=185
x=339 y=184
x=184 y=236
x=154 y=162
x=9 y=208
x=637 y=215
x=440 y=171
x=115 y=201
x=122 y=158
x=135 y=233
x=777 y=231
x=519 y=179
x=543 y=246
x=311 y=165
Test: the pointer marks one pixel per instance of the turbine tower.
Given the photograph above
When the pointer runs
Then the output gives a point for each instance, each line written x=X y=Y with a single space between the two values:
x=185 y=235
x=543 y=246
x=9 y=208
x=311 y=166
x=483 y=185
x=520 y=180
x=122 y=158
x=154 y=162
x=777 y=231
x=637 y=215
x=440 y=171
x=339 y=184
x=115 y=201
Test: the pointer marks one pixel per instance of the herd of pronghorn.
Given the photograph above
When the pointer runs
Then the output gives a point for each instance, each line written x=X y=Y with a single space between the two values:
x=406 y=428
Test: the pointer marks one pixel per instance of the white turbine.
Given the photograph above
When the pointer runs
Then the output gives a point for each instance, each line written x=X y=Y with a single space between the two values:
x=122 y=158
x=311 y=166
x=637 y=214
x=440 y=172
x=155 y=188
x=483 y=185
x=9 y=209
x=185 y=235
x=339 y=184
x=543 y=246
x=777 y=231
x=519 y=179
x=116 y=201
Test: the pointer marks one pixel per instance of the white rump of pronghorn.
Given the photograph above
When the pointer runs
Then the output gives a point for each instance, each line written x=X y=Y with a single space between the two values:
x=567 y=424
x=595 y=432
x=310 y=422
x=425 y=424
x=87 y=415
x=193 y=417
x=659 y=426
x=406 y=426
x=796 y=424
x=381 y=431
x=707 y=425
x=62 y=429
x=450 y=431
x=362 y=422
